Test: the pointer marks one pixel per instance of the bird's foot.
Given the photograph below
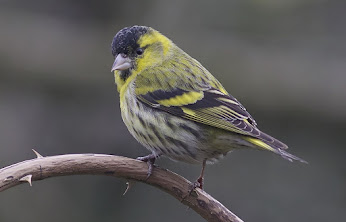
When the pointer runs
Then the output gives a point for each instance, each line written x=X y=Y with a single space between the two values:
x=150 y=160
x=197 y=184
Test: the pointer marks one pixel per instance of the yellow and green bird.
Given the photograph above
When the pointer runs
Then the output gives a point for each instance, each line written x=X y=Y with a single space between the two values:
x=175 y=107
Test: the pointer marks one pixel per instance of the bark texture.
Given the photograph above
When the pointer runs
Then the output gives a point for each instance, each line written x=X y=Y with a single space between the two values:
x=117 y=166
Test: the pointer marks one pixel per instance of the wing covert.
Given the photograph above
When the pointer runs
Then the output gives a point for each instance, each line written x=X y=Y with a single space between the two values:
x=210 y=107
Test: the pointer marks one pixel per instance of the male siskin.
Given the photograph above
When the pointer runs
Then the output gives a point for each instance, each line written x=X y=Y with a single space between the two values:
x=175 y=107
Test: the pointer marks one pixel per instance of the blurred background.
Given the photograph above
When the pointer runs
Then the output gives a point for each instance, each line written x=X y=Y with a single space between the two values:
x=284 y=60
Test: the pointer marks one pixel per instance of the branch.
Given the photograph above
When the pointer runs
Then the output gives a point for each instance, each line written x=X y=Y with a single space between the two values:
x=109 y=165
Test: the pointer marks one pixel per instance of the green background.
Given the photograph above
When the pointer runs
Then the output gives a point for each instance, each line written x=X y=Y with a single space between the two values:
x=284 y=60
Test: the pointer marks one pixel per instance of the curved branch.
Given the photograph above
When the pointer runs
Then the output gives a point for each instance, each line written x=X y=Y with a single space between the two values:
x=130 y=169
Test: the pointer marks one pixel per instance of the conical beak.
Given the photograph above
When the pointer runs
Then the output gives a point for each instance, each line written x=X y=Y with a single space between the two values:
x=121 y=62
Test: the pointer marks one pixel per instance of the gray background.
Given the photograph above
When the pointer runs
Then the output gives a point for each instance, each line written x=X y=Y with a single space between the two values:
x=284 y=60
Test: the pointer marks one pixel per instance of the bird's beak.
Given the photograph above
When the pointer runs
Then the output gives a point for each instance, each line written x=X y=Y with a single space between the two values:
x=121 y=62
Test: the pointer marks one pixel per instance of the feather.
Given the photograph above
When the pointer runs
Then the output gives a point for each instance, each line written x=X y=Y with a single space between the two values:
x=196 y=96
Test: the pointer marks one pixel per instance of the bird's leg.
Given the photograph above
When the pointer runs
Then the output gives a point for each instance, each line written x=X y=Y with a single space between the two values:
x=150 y=160
x=200 y=181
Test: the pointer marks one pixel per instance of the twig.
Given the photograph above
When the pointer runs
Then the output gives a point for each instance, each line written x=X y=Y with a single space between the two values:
x=130 y=169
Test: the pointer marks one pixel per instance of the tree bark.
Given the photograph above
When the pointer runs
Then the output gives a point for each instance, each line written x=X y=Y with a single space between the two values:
x=123 y=167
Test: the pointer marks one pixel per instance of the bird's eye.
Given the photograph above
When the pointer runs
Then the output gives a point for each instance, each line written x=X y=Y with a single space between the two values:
x=139 y=51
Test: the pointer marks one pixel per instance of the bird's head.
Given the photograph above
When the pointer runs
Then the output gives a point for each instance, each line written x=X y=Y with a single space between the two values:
x=137 y=48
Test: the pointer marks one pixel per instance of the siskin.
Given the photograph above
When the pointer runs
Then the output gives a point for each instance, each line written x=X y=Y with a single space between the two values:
x=175 y=107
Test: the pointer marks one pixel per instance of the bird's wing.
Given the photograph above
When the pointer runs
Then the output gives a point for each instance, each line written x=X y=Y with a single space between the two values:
x=194 y=94
x=210 y=107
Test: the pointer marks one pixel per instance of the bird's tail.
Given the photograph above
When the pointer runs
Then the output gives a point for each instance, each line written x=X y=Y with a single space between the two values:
x=269 y=145
x=288 y=156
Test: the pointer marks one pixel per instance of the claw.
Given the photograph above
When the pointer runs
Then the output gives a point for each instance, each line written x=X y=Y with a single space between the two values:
x=197 y=184
x=150 y=168
x=150 y=160
x=38 y=156
x=191 y=190
x=26 y=178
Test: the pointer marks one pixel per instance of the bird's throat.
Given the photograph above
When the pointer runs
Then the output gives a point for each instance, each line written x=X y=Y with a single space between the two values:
x=125 y=74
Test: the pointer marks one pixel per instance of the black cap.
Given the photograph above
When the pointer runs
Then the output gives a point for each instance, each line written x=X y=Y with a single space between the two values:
x=126 y=39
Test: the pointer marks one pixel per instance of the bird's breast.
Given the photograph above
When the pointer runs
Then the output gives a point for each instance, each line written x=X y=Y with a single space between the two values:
x=173 y=136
